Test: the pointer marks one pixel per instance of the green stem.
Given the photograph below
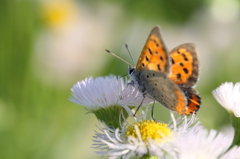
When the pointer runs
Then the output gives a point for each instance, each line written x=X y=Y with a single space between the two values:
x=236 y=126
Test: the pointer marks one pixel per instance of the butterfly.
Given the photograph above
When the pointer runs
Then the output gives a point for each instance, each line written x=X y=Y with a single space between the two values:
x=168 y=77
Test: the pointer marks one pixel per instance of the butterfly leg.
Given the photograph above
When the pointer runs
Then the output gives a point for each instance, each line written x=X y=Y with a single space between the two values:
x=152 y=111
x=139 y=105
x=130 y=83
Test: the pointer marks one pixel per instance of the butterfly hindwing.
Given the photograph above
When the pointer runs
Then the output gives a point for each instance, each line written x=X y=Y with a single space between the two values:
x=185 y=66
x=193 y=100
x=154 y=55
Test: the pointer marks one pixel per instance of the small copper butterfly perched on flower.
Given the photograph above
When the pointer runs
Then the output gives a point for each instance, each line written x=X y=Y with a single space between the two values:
x=168 y=77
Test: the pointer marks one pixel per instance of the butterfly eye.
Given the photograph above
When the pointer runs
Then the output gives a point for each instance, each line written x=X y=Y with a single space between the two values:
x=130 y=71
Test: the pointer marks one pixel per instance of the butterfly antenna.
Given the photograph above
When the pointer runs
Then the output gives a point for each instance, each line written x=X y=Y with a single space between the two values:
x=126 y=45
x=118 y=57
x=123 y=75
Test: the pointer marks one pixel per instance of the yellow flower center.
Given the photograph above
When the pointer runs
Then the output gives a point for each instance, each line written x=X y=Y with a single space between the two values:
x=149 y=129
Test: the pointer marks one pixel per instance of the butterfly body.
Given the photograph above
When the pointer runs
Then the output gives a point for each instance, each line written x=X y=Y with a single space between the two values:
x=168 y=77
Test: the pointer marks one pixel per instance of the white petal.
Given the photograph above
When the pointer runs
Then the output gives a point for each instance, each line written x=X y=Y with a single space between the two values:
x=236 y=98
x=205 y=144
x=223 y=94
x=228 y=96
x=95 y=93
x=114 y=143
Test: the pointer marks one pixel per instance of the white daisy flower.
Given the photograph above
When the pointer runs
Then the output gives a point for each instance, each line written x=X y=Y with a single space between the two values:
x=204 y=144
x=228 y=96
x=106 y=97
x=145 y=138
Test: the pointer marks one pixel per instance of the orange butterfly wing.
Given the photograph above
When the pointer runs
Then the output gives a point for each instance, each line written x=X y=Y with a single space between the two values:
x=193 y=99
x=193 y=105
x=154 y=55
x=184 y=68
x=184 y=72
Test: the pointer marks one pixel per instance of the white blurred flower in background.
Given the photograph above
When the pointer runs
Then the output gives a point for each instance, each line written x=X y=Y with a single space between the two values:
x=73 y=41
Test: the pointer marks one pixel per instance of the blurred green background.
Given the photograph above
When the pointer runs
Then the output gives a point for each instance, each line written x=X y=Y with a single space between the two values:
x=46 y=46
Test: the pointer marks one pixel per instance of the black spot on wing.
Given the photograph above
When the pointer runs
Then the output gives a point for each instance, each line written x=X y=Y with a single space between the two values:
x=184 y=56
x=147 y=58
x=185 y=70
x=173 y=62
x=178 y=76
x=155 y=42
x=150 y=51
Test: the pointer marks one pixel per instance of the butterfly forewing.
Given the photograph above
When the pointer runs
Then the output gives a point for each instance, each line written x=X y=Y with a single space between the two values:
x=154 y=55
x=184 y=67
